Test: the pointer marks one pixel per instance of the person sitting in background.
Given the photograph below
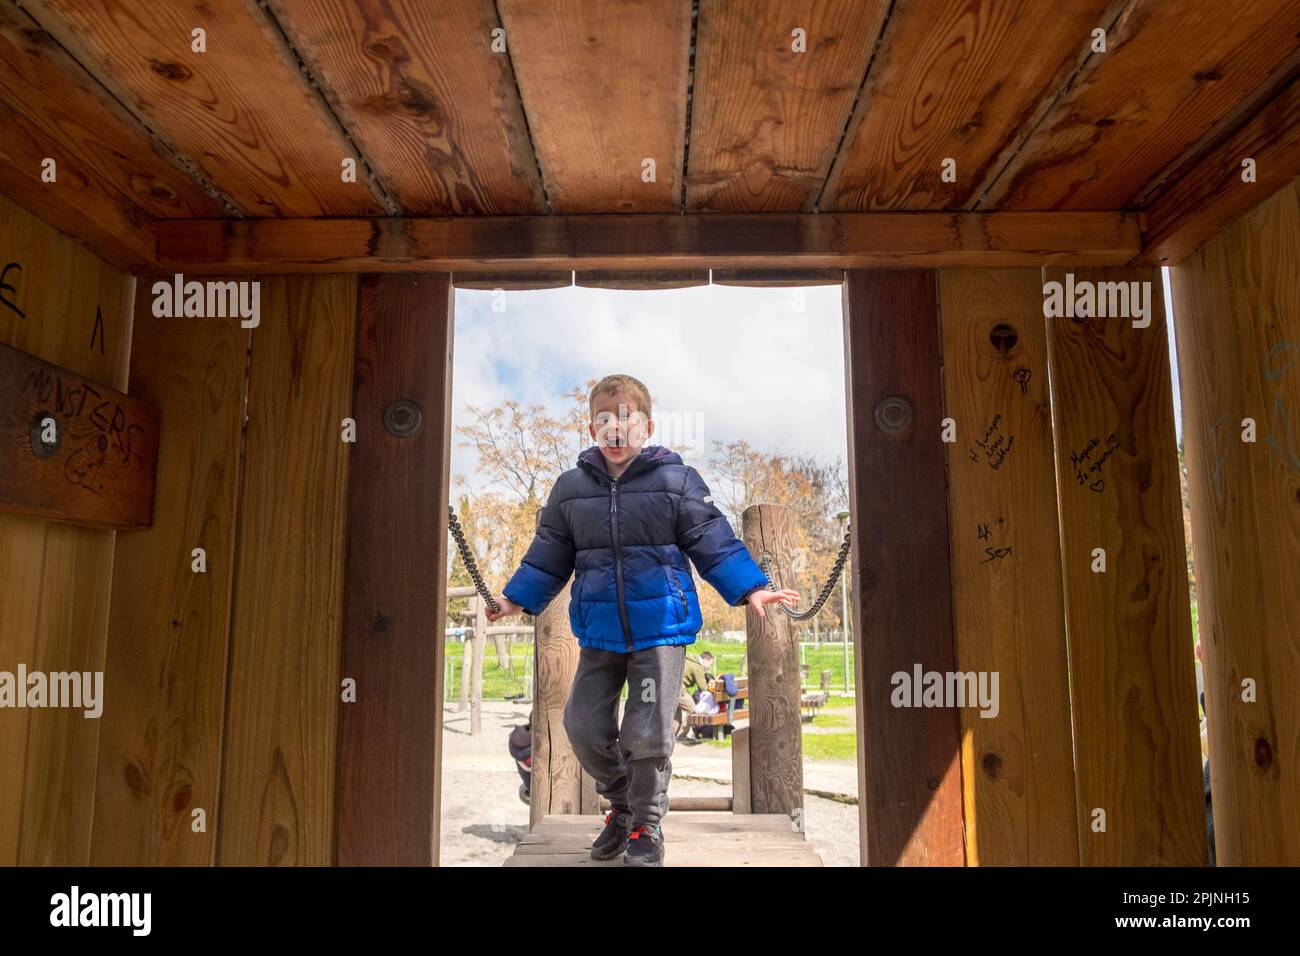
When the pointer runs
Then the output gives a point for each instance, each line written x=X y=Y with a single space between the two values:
x=695 y=678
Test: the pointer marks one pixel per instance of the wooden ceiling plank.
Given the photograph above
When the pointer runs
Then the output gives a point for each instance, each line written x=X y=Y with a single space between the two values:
x=53 y=99
x=648 y=242
x=954 y=80
x=1171 y=73
x=432 y=106
x=1213 y=194
x=766 y=118
x=241 y=112
x=604 y=89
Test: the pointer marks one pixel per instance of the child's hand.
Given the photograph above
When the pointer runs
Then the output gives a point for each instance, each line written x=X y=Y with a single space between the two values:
x=508 y=607
x=762 y=596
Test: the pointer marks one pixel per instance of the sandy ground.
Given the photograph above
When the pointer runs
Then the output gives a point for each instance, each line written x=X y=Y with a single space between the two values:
x=483 y=817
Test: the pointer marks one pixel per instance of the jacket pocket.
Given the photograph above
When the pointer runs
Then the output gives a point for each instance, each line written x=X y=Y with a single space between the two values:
x=675 y=591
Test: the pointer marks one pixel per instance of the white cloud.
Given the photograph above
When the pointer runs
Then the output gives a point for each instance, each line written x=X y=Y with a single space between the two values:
x=721 y=362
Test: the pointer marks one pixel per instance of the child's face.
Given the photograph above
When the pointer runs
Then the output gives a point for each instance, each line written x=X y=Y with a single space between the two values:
x=619 y=427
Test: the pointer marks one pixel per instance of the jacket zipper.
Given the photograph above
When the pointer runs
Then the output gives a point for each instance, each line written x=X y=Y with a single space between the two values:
x=618 y=563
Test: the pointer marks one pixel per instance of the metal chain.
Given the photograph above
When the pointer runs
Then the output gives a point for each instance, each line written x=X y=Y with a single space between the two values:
x=826 y=591
x=468 y=558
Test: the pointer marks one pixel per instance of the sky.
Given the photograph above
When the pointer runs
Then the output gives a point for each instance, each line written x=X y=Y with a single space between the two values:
x=720 y=362
x=765 y=365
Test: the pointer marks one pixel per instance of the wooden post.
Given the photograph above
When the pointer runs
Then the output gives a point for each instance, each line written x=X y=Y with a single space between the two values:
x=480 y=651
x=775 y=742
x=909 y=770
x=559 y=784
x=466 y=669
x=390 y=739
x=1237 y=311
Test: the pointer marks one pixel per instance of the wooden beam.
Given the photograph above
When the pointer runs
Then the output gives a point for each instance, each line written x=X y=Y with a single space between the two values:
x=909 y=766
x=98 y=467
x=513 y=281
x=390 y=738
x=1213 y=193
x=643 y=242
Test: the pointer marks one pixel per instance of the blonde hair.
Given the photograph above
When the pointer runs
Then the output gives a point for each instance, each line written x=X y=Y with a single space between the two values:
x=613 y=384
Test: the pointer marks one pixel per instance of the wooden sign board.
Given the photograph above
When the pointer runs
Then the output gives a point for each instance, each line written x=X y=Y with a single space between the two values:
x=72 y=449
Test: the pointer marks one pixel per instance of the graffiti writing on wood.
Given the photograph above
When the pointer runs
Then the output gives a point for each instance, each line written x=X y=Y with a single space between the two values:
x=96 y=428
x=995 y=445
x=1088 y=460
x=5 y=287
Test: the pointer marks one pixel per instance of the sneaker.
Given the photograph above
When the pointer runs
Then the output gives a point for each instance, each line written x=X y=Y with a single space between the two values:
x=613 y=839
x=645 y=846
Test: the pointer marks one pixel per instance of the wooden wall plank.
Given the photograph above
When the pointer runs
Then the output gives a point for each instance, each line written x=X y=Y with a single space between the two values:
x=943 y=86
x=277 y=779
x=766 y=119
x=1133 y=688
x=718 y=241
x=591 y=137
x=54 y=607
x=1008 y=607
x=1237 y=312
x=169 y=627
x=1213 y=194
x=908 y=758
x=390 y=739
x=432 y=106
x=241 y=112
x=1170 y=73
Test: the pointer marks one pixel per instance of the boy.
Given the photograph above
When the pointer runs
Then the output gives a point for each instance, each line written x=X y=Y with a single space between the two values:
x=623 y=523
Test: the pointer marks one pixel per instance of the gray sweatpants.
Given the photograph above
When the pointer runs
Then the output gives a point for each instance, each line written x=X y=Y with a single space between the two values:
x=631 y=764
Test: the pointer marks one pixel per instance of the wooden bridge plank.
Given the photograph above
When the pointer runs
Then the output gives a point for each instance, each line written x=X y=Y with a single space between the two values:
x=1008 y=607
x=1237 y=311
x=1133 y=688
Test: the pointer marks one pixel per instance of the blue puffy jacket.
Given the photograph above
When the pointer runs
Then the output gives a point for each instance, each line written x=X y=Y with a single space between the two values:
x=626 y=542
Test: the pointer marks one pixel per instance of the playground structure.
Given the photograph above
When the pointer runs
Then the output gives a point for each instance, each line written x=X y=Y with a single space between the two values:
x=244 y=530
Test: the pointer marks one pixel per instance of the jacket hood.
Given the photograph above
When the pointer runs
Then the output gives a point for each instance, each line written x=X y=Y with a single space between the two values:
x=649 y=456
